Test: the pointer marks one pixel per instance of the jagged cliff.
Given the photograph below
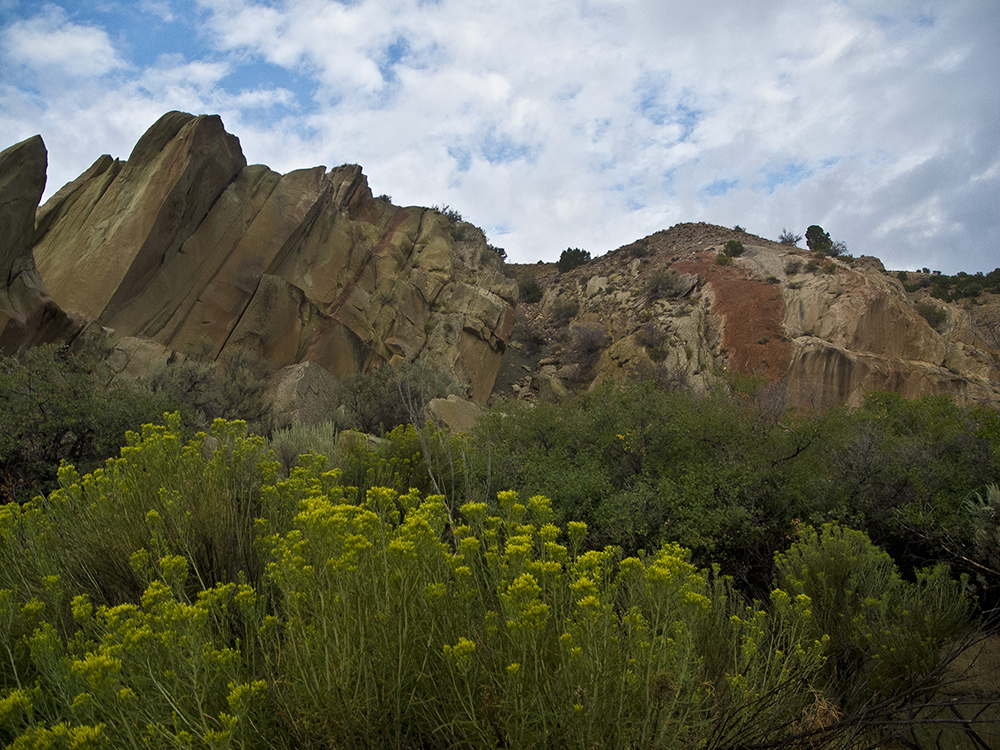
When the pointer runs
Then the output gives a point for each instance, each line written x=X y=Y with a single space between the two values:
x=823 y=331
x=186 y=246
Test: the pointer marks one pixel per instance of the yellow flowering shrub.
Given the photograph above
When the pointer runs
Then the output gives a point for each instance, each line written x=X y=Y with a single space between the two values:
x=235 y=608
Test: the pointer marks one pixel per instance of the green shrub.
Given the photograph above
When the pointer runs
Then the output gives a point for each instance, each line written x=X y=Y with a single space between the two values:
x=884 y=631
x=723 y=260
x=818 y=241
x=788 y=237
x=232 y=388
x=934 y=315
x=651 y=335
x=299 y=439
x=587 y=341
x=982 y=529
x=530 y=291
x=793 y=266
x=564 y=310
x=734 y=248
x=388 y=396
x=571 y=258
x=54 y=411
x=529 y=334
x=453 y=216
x=665 y=283
x=387 y=620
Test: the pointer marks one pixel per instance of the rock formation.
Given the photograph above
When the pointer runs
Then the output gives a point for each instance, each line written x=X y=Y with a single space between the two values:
x=822 y=332
x=187 y=247
x=28 y=316
x=184 y=248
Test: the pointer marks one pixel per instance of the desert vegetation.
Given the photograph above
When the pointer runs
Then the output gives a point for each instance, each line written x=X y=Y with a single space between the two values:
x=572 y=257
x=632 y=567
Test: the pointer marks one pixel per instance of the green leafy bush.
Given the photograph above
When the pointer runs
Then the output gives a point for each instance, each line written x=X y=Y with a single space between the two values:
x=55 y=411
x=299 y=439
x=529 y=334
x=384 y=619
x=571 y=258
x=787 y=237
x=565 y=309
x=530 y=291
x=734 y=248
x=934 y=315
x=587 y=341
x=818 y=241
x=232 y=388
x=665 y=283
x=388 y=396
x=651 y=335
x=884 y=631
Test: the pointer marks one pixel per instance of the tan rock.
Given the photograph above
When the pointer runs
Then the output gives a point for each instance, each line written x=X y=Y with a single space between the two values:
x=550 y=387
x=28 y=315
x=454 y=413
x=187 y=246
x=97 y=263
x=304 y=393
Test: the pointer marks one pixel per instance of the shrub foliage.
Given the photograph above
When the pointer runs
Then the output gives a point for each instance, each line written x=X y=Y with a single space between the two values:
x=572 y=257
x=299 y=612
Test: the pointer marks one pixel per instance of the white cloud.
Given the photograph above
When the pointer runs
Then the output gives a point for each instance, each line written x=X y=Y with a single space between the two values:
x=51 y=41
x=584 y=123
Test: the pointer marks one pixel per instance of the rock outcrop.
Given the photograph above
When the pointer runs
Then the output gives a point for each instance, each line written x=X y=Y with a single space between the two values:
x=186 y=246
x=822 y=332
x=28 y=316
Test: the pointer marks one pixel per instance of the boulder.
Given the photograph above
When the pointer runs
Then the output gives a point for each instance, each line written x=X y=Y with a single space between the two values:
x=453 y=413
x=305 y=393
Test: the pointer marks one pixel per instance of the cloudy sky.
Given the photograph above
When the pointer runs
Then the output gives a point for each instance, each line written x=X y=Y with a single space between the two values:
x=559 y=123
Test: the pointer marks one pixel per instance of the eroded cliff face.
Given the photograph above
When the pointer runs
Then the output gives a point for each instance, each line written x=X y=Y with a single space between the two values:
x=822 y=332
x=185 y=246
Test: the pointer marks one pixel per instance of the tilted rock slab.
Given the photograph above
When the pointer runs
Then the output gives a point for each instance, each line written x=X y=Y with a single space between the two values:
x=28 y=315
x=185 y=245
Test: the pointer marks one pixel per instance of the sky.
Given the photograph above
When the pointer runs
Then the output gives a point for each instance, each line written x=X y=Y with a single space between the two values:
x=559 y=123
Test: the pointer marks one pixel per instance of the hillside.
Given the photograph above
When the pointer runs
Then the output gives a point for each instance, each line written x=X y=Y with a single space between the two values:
x=821 y=331
x=185 y=250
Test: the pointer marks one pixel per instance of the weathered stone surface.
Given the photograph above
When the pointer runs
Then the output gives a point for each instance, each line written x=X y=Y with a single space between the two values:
x=826 y=334
x=185 y=245
x=94 y=262
x=28 y=316
x=304 y=393
x=453 y=413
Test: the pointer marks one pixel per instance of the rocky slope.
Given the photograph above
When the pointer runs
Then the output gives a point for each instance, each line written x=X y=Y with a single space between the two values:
x=184 y=246
x=823 y=332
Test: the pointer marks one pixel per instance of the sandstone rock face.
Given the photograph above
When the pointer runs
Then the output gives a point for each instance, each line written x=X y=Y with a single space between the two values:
x=186 y=246
x=823 y=334
x=28 y=316
x=302 y=393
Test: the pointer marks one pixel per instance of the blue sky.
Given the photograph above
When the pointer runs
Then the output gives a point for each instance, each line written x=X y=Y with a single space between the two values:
x=559 y=123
